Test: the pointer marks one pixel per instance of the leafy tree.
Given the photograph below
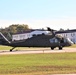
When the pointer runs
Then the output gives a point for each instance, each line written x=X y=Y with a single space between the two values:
x=22 y=28
x=14 y=28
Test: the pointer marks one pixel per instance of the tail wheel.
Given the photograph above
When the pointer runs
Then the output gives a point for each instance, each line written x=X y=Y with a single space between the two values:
x=12 y=49
x=52 y=48
x=60 y=47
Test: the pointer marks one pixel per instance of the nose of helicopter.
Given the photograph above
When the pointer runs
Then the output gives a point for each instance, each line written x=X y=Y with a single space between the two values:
x=69 y=42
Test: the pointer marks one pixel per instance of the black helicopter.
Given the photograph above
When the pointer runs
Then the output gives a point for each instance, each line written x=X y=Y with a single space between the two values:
x=43 y=40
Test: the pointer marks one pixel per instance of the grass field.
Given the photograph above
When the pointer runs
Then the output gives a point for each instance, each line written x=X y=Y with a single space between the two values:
x=38 y=64
x=20 y=48
x=25 y=48
x=73 y=46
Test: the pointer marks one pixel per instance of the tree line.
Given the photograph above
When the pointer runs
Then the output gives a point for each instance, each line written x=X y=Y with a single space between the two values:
x=14 y=28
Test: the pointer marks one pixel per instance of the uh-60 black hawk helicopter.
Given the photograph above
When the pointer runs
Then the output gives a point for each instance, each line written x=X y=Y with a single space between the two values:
x=43 y=40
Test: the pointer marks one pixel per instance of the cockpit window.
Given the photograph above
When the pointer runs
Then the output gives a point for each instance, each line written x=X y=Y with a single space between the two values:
x=65 y=40
x=53 y=40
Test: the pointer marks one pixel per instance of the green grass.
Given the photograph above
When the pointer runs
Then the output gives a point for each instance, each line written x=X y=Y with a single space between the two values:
x=73 y=46
x=5 y=47
x=38 y=63
x=20 y=48
x=26 y=48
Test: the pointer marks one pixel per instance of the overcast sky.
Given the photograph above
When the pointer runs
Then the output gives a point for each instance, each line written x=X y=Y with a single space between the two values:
x=39 y=13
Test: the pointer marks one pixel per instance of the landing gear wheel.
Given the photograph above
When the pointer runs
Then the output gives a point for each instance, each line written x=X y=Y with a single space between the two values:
x=60 y=48
x=52 y=48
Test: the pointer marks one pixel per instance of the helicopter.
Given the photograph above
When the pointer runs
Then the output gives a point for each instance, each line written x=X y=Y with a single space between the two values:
x=51 y=40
